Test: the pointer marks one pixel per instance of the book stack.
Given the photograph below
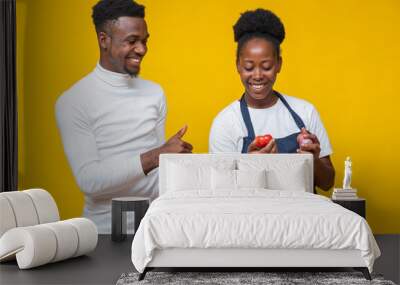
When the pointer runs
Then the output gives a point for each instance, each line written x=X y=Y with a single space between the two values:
x=344 y=194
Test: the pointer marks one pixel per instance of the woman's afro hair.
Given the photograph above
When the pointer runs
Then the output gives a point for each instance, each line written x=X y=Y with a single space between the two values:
x=259 y=22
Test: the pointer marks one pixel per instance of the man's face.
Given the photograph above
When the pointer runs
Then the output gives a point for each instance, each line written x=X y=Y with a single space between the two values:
x=124 y=45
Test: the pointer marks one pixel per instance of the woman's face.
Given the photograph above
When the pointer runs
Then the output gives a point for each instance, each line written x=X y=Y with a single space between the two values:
x=258 y=65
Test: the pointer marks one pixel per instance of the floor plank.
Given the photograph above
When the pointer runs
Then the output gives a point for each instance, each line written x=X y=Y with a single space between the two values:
x=110 y=260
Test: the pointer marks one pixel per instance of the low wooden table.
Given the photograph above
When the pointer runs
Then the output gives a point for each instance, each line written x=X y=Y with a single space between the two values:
x=119 y=207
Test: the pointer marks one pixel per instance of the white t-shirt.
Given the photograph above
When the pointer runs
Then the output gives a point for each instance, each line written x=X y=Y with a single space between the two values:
x=106 y=121
x=228 y=128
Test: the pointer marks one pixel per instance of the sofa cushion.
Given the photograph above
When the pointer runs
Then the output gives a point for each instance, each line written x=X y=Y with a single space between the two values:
x=7 y=220
x=40 y=244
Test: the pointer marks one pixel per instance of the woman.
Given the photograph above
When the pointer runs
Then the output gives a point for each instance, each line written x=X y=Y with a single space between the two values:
x=262 y=110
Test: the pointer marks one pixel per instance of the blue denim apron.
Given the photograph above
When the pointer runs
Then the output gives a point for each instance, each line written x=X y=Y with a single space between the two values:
x=285 y=145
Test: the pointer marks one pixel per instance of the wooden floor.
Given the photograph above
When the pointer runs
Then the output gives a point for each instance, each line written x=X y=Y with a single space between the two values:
x=389 y=262
x=110 y=260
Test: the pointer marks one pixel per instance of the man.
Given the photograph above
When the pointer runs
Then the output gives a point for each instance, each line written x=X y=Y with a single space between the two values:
x=112 y=122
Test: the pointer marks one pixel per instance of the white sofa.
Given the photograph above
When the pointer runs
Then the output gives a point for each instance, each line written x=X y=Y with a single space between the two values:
x=31 y=233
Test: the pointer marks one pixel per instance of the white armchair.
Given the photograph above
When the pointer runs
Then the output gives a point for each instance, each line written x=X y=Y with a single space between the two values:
x=31 y=232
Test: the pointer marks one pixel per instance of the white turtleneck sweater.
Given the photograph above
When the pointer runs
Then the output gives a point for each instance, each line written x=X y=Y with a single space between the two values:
x=106 y=121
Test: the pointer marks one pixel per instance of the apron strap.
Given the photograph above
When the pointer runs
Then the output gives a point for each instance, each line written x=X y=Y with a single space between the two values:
x=246 y=117
x=249 y=126
x=282 y=145
x=299 y=122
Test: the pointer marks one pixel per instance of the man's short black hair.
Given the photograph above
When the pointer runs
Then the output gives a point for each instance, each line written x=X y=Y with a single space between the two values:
x=259 y=23
x=109 y=10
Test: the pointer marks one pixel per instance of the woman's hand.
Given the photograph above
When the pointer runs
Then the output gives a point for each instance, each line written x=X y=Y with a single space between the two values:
x=313 y=147
x=269 y=148
x=324 y=172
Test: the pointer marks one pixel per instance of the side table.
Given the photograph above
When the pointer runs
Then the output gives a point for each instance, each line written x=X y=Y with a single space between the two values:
x=357 y=205
x=119 y=207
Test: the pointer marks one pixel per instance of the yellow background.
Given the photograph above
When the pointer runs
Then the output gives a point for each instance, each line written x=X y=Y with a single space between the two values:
x=343 y=56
